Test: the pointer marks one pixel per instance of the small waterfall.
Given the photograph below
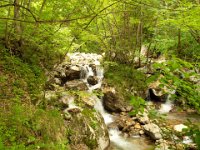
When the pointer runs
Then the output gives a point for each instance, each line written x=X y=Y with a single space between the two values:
x=90 y=66
x=86 y=71
x=121 y=142
x=99 y=74
x=168 y=105
x=108 y=118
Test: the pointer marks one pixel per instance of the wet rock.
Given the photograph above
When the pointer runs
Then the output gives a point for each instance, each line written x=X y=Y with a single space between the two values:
x=143 y=118
x=76 y=85
x=120 y=125
x=84 y=131
x=112 y=102
x=137 y=126
x=156 y=96
x=71 y=73
x=162 y=145
x=60 y=72
x=87 y=126
x=141 y=132
x=92 y=80
x=153 y=131
x=65 y=72
x=134 y=132
x=126 y=124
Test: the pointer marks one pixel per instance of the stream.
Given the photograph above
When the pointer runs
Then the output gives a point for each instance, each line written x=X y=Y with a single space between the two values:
x=118 y=141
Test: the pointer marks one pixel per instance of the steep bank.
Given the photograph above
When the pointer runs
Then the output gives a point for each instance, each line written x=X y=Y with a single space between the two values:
x=26 y=122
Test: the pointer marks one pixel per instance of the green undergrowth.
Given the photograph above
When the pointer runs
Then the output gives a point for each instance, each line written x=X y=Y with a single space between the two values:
x=24 y=125
x=180 y=76
x=127 y=80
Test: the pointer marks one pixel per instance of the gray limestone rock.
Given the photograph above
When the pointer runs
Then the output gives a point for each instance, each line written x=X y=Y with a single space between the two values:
x=153 y=131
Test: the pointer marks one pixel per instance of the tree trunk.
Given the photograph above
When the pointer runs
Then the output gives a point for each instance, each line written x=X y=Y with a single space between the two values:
x=7 y=43
x=16 y=17
x=179 y=42
x=140 y=39
x=140 y=44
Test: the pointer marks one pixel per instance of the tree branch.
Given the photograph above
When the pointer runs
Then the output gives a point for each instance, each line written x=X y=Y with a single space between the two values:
x=8 y=5
x=100 y=12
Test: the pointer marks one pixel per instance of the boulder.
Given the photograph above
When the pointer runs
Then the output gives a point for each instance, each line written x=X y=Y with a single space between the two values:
x=88 y=128
x=89 y=99
x=71 y=73
x=153 y=95
x=153 y=131
x=92 y=80
x=143 y=118
x=66 y=73
x=76 y=85
x=125 y=123
x=180 y=127
x=112 y=102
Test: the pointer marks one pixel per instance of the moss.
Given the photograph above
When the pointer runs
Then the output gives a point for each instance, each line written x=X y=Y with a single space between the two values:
x=125 y=79
x=91 y=143
x=89 y=113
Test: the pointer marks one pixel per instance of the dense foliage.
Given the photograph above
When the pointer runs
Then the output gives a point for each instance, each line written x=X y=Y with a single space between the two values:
x=22 y=124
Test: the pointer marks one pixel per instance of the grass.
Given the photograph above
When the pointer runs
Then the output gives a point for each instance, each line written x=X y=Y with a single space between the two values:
x=24 y=125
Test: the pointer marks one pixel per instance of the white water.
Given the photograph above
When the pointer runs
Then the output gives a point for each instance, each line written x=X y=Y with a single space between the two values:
x=86 y=71
x=167 y=106
x=84 y=60
x=120 y=141
x=108 y=118
x=187 y=140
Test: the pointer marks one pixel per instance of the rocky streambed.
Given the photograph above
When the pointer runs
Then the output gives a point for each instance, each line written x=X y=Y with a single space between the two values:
x=95 y=115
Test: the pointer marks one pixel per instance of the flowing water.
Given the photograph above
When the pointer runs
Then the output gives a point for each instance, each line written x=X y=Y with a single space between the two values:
x=167 y=106
x=118 y=142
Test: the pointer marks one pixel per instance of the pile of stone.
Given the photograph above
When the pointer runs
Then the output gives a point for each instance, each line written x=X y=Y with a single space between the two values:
x=78 y=73
x=74 y=69
x=140 y=125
